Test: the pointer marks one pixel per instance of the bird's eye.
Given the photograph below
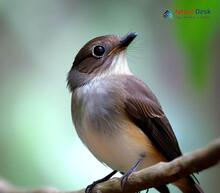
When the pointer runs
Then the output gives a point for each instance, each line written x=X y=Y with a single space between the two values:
x=98 y=51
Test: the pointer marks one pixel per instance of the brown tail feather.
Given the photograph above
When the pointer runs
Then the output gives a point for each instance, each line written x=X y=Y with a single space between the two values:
x=188 y=185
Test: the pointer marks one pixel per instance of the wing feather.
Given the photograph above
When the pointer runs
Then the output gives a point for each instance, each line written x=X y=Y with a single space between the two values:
x=144 y=109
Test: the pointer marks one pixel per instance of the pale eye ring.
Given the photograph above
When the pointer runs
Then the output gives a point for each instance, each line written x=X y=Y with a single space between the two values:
x=98 y=51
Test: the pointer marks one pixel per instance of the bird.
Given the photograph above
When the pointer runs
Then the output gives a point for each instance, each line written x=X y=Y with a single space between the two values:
x=117 y=116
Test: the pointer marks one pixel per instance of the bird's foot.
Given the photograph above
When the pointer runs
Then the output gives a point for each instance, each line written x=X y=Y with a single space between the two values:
x=90 y=187
x=124 y=178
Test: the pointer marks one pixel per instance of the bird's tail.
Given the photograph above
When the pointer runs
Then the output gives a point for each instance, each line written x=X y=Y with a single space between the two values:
x=188 y=185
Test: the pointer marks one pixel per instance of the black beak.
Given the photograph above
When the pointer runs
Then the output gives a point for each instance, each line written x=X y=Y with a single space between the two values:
x=127 y=39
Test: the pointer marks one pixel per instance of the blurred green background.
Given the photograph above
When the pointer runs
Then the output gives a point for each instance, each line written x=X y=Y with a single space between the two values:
x=177 y=58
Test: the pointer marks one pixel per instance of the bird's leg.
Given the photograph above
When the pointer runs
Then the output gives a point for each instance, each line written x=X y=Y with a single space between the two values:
x=91 y=186
x=130 y=171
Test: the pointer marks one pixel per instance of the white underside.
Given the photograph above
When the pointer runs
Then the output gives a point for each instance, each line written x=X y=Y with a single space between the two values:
x=120 y=149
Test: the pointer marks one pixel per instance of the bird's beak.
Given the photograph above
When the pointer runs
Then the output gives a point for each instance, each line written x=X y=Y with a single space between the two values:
x=123 y=43
x=127 y=39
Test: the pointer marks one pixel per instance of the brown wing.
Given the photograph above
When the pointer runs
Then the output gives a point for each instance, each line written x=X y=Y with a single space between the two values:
x=144 y=109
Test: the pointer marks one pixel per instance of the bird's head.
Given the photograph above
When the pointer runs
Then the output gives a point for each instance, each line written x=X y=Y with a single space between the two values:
x=101 y=56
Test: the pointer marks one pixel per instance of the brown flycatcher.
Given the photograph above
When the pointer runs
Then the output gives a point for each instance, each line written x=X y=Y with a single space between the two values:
x=117 y=116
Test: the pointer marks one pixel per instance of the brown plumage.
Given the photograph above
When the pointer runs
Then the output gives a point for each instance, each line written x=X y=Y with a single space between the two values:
x=116 y=115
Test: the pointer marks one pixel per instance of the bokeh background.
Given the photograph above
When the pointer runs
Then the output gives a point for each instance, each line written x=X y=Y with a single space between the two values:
x=177 y=58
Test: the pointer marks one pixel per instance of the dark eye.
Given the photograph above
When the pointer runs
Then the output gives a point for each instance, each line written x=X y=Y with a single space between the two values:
x=98 y=51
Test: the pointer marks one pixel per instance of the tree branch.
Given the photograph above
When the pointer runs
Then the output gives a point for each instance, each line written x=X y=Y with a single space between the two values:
x=159 y=174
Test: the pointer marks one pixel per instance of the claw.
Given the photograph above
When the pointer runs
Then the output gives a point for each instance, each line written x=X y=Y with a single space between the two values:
x=90 y=187
x=124 y=178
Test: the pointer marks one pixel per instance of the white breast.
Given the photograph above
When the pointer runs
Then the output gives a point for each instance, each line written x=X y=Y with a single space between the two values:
x=108 y=134
x=105 y=128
